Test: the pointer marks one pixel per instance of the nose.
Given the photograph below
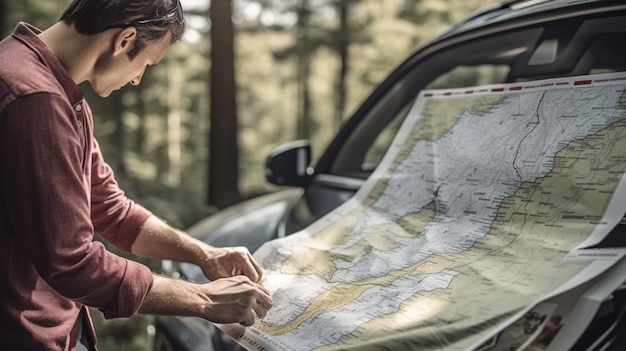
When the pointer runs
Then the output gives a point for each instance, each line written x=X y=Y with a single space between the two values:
x=135 y=81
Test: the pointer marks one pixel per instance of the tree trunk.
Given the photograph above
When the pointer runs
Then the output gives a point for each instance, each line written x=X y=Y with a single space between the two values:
x=118 y=137
x=223 y=153
x=303 y=72
x=4 y=31
x=343 y=46
x=174 y=152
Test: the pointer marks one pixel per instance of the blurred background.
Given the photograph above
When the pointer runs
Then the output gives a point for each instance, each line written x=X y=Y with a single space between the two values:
x=248 y=76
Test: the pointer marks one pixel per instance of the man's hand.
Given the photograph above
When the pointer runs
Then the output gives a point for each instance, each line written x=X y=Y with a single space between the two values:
x=237 y=300
x=229 y=262
x=227 y=300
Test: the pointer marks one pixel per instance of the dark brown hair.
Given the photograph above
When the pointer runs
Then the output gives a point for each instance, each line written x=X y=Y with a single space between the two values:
x=95 y=16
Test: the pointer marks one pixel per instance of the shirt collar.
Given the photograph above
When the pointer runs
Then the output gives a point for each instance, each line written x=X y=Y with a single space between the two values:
x=28 y=35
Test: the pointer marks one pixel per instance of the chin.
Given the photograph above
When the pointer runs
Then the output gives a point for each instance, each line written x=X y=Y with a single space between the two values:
x=104 y=93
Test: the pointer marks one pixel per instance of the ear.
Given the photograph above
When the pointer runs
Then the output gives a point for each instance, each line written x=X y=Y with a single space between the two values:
x=124 y=40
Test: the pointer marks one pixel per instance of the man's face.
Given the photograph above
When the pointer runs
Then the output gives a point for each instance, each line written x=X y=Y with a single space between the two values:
x=115 y=71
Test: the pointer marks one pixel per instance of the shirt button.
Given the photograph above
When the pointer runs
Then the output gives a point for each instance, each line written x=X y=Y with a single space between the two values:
x=78 y=108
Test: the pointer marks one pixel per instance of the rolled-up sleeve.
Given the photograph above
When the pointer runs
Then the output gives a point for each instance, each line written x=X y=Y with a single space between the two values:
x=116 y=218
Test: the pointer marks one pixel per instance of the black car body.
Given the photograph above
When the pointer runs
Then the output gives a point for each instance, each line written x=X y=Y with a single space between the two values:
x=510 y=42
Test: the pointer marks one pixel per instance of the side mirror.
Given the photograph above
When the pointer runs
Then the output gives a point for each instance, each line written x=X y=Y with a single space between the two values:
x=288 y=164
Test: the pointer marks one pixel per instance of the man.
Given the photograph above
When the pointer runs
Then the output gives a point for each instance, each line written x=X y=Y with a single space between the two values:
x=57 y=191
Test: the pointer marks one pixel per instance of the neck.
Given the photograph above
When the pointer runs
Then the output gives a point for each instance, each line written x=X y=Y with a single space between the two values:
x=77 y=52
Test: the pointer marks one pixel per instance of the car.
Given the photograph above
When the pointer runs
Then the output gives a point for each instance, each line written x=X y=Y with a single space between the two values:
x=513 y=41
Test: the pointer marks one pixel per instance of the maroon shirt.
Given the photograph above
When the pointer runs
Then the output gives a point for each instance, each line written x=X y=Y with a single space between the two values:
x=56 y=192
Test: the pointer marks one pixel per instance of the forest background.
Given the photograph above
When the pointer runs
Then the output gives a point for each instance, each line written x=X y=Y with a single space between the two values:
x=283 y=70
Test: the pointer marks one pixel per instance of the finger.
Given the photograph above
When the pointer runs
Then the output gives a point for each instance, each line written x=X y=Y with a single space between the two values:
x=248 y=320
x=263 y=303
x=261 y=310
x=264 y=289
x=236 y=331
x=251 y=268
x=246 y=323
x=257 y=268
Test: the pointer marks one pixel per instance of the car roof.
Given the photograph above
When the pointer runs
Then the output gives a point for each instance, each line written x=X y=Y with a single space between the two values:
x=517 y=9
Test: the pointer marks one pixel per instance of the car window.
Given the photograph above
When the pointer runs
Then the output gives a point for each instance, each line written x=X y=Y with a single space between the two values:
x=467 y=76
x=461 y=76
x=377 y=150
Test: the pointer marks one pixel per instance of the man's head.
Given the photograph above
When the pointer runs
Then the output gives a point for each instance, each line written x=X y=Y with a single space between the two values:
x=110 y=43
x=153 y=19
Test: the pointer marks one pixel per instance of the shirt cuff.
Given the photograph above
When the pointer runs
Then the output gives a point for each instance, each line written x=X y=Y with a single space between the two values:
x=135 y=285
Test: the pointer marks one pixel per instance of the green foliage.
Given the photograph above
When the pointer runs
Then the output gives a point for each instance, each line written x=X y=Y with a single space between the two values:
x=41 y=14
x=129 y=334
